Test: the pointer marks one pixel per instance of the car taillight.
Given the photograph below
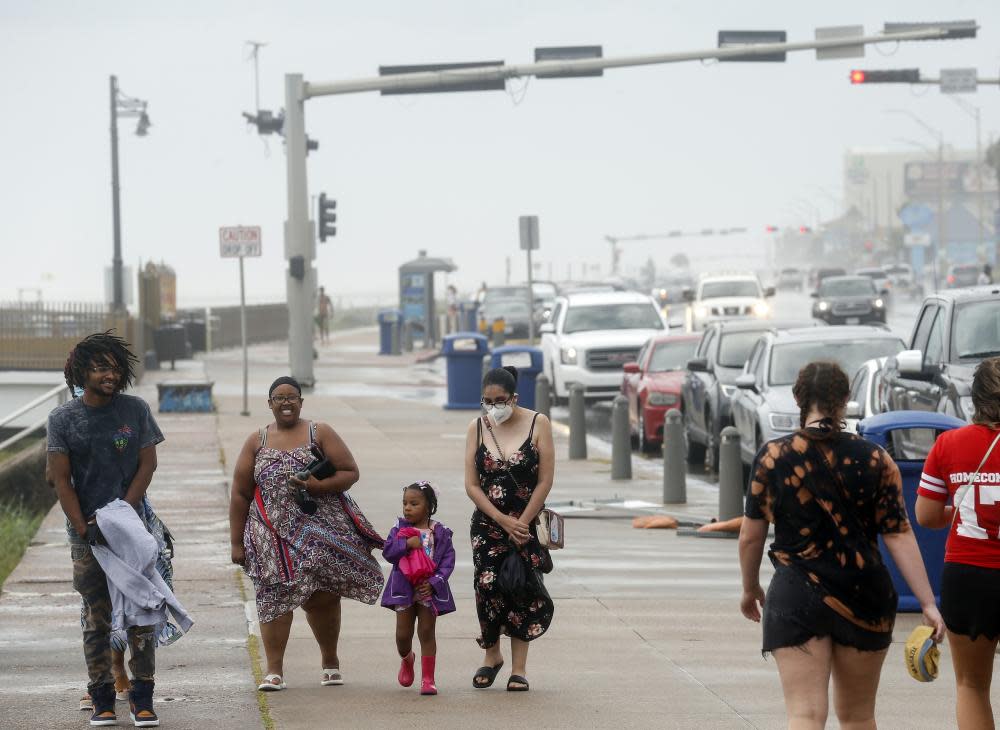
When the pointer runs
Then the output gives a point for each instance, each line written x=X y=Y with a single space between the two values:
x=951 y=278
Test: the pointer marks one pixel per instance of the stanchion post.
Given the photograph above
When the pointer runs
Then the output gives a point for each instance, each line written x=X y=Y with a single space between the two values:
x=621 y=441
x=395 y=337
x=577 y=423
x=499 y=332
x=543 y=395
x=730 y=474
x=674 y=468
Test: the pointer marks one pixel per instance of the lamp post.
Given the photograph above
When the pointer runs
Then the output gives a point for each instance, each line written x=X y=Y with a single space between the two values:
x=973 y=111
x=121 y=106
x=942 y=230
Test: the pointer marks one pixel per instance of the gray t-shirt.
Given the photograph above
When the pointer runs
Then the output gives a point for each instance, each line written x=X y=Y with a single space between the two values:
x=103 y=445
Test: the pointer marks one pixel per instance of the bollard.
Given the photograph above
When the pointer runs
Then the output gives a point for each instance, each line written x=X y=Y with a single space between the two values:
x=621 y=440
x=395 y=337
x=577 y=423
x=499 y=334
x=730 y=475
x=408 y=336
x=674 y=471
x=543 y=396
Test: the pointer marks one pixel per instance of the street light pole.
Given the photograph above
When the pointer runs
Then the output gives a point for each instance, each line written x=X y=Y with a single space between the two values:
x=118 y=295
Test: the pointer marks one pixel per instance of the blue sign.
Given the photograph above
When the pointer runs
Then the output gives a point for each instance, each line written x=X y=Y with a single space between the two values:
x=916 y=216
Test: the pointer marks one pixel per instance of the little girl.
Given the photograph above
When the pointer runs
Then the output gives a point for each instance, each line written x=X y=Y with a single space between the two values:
x=431 y=597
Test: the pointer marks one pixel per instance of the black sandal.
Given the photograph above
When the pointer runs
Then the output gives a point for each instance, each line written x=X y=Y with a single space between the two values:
x=517 y=679
x=487 y=673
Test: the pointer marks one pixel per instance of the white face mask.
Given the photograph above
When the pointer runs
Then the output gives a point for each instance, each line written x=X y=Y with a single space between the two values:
x=499 y=414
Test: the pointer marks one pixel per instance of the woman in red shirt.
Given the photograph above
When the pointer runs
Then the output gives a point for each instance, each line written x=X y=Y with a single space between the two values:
x=970 y=581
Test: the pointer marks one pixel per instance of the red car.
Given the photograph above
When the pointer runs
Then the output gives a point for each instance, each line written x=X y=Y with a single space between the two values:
x=652 y=385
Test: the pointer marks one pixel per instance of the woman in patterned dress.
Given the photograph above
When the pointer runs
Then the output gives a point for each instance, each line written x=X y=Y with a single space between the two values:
x=295 y=559
x=509 y=465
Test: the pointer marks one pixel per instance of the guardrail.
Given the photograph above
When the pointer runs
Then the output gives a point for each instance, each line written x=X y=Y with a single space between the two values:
x=60 y=393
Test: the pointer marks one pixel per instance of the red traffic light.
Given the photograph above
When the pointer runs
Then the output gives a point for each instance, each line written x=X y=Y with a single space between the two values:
x=857 y=77
x=771 y=229
x=805 y=229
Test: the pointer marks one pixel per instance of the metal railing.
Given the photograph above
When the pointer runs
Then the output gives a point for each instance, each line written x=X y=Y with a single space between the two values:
x=60 y=393
x=39 y=335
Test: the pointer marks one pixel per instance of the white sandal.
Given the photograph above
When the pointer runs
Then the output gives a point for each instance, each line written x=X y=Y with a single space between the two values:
x=331 y=677
x=268 y=686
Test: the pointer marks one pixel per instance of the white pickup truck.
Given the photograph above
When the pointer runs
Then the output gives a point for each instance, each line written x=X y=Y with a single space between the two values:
x=591 y=336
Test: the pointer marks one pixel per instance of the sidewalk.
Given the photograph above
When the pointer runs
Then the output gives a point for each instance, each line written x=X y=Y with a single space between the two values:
x=647 y=631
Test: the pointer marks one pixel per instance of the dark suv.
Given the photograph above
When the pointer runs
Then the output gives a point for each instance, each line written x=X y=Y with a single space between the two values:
x=708 y=383
x=848 y=300
x=955 y=330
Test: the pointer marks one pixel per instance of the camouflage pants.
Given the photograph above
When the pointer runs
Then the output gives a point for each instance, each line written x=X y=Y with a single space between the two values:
x=92 y=585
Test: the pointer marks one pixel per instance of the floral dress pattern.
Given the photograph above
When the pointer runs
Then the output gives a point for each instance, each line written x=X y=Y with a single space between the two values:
x=500 y=614
x=290 y=555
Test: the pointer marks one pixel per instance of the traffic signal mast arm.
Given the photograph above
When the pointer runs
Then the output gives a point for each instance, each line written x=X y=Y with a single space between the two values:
x=465 y=76
x=903 y=76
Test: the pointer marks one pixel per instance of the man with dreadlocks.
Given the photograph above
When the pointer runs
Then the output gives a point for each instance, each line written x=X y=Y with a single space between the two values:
x=102 y=447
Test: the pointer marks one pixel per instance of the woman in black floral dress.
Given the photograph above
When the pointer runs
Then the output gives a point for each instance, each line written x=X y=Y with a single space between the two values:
x=509 y=460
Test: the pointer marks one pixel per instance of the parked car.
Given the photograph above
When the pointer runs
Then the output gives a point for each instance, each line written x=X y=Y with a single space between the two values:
x=866 y=393
x=902 y=280
x=790 y=278
x=960 y=275
x=763 y=407
x=879 y=278
x=955 y=330
x=591 y=336
x=652 y=385
x=819 y=273
x=848 y=300
x=709 y=381
x=513 y=311
x=727 y=296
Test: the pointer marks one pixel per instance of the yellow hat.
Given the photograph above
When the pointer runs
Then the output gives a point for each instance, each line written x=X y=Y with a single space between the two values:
x=921 y=654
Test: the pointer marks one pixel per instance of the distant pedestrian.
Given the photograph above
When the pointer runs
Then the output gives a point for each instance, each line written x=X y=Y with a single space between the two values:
x=986 y=275
x=303 y=542
x=831 y=605
x=418 y=590
x=481 y=293
x=509 y=466
x=451 y=299
x=970 y=581
x=102 y=448
x=324 y=313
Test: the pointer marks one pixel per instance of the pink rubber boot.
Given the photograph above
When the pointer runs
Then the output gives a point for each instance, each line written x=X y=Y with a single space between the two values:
x=427 y=676
x=405 y=675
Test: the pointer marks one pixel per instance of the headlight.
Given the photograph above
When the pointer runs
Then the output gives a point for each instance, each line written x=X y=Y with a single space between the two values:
x=784 y=421
x=823 y=306
x=568 y=356
x=878 y=303
x=728 y=390
x=701 y=311
x=761 y=309
x=965 y=403
x=661 y=399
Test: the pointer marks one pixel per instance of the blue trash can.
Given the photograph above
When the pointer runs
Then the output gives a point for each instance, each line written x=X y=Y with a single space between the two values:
x=528 y=361
x=463 y=353
x=468 y=316
x=388 y=322
x=878 y=429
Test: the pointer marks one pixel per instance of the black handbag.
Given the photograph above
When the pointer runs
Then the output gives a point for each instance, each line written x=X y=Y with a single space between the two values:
x=518 y=580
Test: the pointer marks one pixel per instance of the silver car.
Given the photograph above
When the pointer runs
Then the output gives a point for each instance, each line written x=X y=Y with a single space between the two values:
x=763 y=407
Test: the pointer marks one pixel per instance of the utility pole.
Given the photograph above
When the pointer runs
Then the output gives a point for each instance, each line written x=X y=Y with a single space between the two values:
x=299 y=243
x=118 y=295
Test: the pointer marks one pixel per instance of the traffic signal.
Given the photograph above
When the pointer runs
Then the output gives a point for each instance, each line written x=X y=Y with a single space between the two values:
x=771 y=229
x=327 y=217
x=297 y=267
x=805 y=229
x=887 y=76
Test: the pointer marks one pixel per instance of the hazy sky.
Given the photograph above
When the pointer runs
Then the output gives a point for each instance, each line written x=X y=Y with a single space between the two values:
x=686 y=146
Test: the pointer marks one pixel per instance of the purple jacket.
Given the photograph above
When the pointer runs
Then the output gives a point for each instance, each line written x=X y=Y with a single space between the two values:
x=398 y=591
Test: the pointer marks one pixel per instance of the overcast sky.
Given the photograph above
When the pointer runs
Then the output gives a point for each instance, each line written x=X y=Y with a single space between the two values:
x=641 y=150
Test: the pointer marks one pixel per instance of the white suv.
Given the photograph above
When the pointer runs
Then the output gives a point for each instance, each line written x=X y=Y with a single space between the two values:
x=590 y=337
x=725 y=297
